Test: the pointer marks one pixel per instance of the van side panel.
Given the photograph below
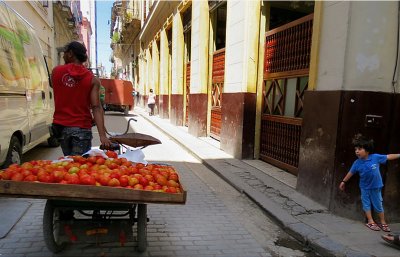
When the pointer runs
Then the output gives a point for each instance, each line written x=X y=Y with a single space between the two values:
x=14 y=119
x=26 y=100
x=36 y=85
x=12 y=78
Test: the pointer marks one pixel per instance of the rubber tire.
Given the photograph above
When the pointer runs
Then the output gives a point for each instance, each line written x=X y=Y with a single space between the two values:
x=142 y=227
x=53 y=142
x=48 y=228
x=14 y=154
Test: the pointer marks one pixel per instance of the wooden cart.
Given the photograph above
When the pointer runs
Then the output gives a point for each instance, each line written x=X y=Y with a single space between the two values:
x=59 y=225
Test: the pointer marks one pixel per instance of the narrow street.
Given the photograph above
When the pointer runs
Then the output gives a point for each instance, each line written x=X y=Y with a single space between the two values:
x=216 y=220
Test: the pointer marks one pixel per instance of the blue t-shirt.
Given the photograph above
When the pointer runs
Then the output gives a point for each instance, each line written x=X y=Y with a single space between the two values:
x=368 y=169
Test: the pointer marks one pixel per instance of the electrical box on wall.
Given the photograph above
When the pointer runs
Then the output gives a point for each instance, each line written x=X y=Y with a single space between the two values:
x=373 y=121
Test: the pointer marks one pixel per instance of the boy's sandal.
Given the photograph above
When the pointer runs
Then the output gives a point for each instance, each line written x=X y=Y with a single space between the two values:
x=395 y=241
x=372 y=226
x=384 y=227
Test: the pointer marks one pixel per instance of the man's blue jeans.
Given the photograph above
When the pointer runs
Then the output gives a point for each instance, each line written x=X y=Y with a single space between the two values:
x=76 y=141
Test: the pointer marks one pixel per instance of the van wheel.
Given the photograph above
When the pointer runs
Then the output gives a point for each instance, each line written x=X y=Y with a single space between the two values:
x=53 y=142
x=14 y=154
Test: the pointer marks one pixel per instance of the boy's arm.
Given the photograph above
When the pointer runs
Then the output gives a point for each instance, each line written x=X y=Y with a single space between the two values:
x=391 y=157
x=344 y=180
x=347 y=177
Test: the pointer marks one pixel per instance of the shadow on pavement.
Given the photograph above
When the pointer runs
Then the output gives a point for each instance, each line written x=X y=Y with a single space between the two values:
x=11 y=212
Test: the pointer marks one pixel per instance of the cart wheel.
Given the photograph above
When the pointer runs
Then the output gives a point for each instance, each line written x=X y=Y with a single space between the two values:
x=142 y=227
x=51 y=228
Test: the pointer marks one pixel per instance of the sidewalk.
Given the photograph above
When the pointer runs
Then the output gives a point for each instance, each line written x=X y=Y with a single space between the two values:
x=273 y=190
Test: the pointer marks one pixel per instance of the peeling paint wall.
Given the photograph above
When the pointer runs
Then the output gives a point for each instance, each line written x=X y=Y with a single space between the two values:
x=358 y=50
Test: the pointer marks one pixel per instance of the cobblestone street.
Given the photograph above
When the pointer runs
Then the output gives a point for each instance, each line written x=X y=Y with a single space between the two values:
x=216 y=220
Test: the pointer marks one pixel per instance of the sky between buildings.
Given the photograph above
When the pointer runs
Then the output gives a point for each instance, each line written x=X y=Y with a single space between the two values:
x=103 y=16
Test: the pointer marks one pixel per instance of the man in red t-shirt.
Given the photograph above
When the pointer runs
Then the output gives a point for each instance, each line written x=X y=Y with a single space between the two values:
x=76 y=98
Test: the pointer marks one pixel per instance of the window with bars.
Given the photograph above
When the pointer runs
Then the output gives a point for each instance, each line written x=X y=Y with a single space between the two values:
x=285 y=96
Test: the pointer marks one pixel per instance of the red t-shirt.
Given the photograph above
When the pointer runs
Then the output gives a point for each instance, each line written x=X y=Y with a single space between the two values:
x=72 y=84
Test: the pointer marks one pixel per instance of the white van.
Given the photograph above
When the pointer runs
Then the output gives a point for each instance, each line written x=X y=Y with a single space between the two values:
x=26 y=98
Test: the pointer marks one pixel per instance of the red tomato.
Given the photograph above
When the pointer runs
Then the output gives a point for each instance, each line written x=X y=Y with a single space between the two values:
x=171 y=190
x=112 y=154
x=150 y=178
x=30 y=178
x=161 y=180
x=114 y=182
x=174 y=177
x=133 y=181
x=58 y=175
x=112 y=165
x=103 y=179
x=172 y=183
x=124 y=180
x=138 y=187
x=100 y=160
x=72 y=178
x=143 y=181
x=148 y=188
x=87 y=180
x=92 y=159
x=17 y=177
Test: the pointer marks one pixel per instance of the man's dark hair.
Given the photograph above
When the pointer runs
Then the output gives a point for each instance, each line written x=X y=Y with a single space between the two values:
x=78 y=50
x=362 y=142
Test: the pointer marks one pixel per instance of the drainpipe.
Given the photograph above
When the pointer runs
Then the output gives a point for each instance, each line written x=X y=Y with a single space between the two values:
x=395 y=75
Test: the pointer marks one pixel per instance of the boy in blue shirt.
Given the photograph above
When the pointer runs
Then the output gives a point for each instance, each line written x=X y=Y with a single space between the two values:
x=367 y=166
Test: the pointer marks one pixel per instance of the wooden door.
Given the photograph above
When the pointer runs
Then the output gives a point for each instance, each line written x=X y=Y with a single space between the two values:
x=187 y=92
x=286 y=70
x=218 y=72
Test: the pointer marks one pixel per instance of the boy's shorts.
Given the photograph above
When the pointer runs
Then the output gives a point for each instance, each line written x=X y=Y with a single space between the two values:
x=372 y=197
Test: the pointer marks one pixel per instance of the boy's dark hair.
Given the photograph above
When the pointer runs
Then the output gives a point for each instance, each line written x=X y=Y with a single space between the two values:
x=362 y=142
x=78 y=49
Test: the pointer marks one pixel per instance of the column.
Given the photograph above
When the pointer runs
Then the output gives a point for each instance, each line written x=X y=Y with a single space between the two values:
x=177 y=97
x=164 y=70
x=238 y=108
x=156 y=73
x=198 y=103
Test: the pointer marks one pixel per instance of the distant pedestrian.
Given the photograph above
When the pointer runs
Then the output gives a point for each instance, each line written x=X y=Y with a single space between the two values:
x=151 y=102
x=367 y=166
x=137 y=97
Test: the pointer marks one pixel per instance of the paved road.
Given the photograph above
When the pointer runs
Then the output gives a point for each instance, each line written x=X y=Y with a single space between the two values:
x=217 y=220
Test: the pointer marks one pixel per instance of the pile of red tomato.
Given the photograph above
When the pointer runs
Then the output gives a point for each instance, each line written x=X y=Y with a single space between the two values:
x=97 y=171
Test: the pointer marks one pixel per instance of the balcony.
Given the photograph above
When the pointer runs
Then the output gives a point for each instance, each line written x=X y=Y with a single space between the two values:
x=125 y=26
x=62 y=10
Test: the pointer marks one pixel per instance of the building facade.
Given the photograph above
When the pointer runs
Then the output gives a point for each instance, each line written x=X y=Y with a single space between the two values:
x=88 y=9
x=40 y=16
x=56 y=23
x=287 y=82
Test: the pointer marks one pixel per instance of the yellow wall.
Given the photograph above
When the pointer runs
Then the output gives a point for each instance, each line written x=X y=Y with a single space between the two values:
x=178 y=51
x=164 y=67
